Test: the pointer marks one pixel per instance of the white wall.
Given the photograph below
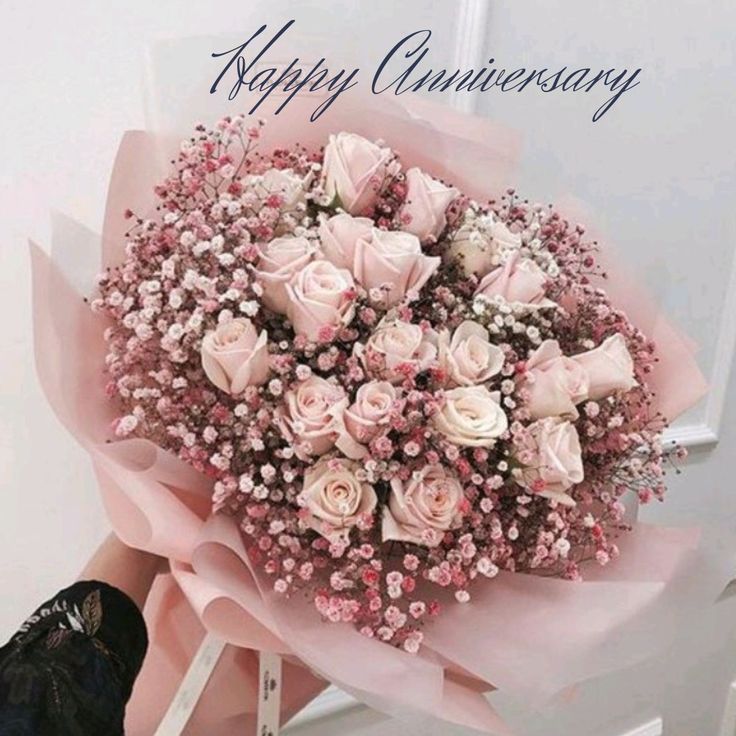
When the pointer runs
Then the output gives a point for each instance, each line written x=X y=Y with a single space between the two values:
x=658 y=169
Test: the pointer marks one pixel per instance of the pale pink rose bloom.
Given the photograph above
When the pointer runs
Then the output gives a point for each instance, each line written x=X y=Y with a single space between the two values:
x=235 y=356
x=422 y=508
x=395 y=344
x=503 y=238
x=394 y=259
x=370 y=411
x=468 y=357
x=519 y=281
x=354 y=169
x=335 y=500
x=312 y=412
x=320 y=296
x=427 y=200
x=339 y=235
x=471 y=417
x=557 y=383
x=279 y=261
x=610 y=367
x=556 y=460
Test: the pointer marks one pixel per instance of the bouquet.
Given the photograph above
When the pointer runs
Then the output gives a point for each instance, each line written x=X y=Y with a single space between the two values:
x=394 y=388
x=388 y=419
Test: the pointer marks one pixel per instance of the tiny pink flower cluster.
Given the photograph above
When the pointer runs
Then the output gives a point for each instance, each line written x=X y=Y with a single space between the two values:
x=394 y=389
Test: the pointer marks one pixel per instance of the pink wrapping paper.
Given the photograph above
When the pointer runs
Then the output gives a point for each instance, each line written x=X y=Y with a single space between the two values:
x=524 y=634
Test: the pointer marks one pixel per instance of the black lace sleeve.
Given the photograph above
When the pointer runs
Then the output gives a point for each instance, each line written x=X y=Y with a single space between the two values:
x=71 y=667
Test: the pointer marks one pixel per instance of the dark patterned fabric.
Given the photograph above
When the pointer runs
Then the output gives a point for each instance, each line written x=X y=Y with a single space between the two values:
x=71 y=667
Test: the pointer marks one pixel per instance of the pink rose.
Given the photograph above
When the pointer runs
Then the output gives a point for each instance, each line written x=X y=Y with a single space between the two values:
x=503 y=238
x=555 y=383
x=235 y=356
x=423 y=508
x=279 y=261
x=479 y=242
x=370 y=411
x=312 y=413
x=338 y=236
x=335 y=500
x=427 y=200
x=610 y=367
x=469 y=357
x=519 y=281
x=354 y=169
x=554 y=463
x=320 y=295
x=397 y=344
x=395 y=260
x=471 y=416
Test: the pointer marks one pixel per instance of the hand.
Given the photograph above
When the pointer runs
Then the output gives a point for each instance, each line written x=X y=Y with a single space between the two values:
x=130 y=570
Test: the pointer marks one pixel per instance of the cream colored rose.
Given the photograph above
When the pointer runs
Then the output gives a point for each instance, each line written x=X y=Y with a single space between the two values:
x=235 y=356
x=354 y=169
x=468 y=357
x=478 y=243
x=371 y=410
x=284 y=182
x=474 y=250
x=555 y=462
x=334 y=499
x=423 y=508
x=427 y=200
x=393 y=261
x=319 y=295
x=610 y=367
x=471 y=416
x=338 y=236
x=554 y=382
x=279 y=260
x=312 y=413
x=519 y=281
x=396 y=344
